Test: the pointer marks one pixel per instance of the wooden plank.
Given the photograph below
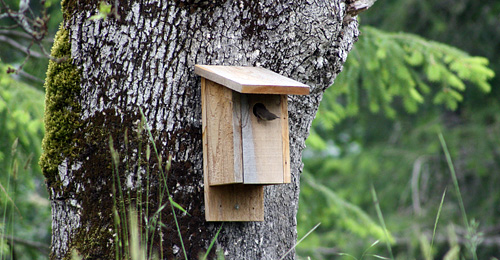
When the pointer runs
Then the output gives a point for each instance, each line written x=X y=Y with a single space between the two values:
x=222 y=133
x=287 y=178
x=237 y=145
x=263 y=141
x=235 y=202
x=251 y=80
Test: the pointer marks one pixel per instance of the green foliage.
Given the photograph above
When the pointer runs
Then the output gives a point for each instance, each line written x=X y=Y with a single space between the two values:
x=21 y=110
x=385 y=69
x=104 y=11
x=329 y=208
x=25 y=218
x=21 y=182
x=412 y=165
x=378 y=125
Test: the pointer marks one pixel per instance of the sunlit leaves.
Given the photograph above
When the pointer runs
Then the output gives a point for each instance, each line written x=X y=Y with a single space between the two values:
x=21 y=110
x=104 y=10
x=385 y=67
x=21 y=132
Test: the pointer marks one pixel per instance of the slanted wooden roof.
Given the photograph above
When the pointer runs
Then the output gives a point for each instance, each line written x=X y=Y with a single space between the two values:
x=251 y=80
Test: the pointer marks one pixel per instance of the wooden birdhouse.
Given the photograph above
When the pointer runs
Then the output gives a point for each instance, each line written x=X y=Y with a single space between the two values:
x=245 y=138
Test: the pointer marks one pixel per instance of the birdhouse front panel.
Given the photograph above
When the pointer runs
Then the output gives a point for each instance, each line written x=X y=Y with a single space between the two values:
x=265 y=140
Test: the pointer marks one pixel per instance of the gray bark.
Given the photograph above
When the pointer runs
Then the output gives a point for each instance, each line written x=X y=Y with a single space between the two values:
x=145 y=59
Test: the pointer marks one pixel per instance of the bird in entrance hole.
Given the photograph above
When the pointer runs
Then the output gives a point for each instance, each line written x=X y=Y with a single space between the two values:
x=261 y=112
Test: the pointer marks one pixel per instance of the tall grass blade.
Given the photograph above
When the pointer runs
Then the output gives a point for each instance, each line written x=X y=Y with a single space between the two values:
x=175 y=204
x=298 y=242
x=116 y=224
x=348 y=255
x=457 y=191
x=212 y=242
x=121 y=199
x=136 y=250
x=366 y=251
x=9 y=199
x=379 y=256
x=164 y=177
x=382 y=221
x=454 y=178
x=436 y=223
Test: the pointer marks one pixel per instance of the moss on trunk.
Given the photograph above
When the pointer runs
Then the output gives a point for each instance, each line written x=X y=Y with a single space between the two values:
x=62 y=112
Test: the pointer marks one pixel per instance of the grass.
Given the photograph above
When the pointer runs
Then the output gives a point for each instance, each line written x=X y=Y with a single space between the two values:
x=436 y=223
x=17 y=240
x=6 y=226
x=382 y=221
x=471 y=229
x=472 y=243
x=298 y=242
x=131 y=243
x=365 y=253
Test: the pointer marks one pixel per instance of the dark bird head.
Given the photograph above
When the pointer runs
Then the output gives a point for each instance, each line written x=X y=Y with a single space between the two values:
x=261 y=112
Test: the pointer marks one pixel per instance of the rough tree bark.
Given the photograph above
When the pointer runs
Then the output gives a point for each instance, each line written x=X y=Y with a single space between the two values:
x=143 y=56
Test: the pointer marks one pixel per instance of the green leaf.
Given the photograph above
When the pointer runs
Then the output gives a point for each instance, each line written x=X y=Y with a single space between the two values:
x=455 y=95
x=484 y=86
x=212 y=242
x=454 y=81
x=424 y=67
x=104 y=11
x=381 y=53
x=433 y=71
x=175 y=204
x=415 y=59
x=416 y=96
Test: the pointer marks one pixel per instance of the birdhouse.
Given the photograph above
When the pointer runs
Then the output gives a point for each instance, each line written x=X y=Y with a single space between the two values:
x=245 y=138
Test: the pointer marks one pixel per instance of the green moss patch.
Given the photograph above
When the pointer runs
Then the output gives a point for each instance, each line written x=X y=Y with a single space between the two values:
x=62 y=112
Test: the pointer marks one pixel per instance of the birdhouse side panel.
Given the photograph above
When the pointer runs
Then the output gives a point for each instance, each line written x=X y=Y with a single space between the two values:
x=285 y=140
x=222 y=134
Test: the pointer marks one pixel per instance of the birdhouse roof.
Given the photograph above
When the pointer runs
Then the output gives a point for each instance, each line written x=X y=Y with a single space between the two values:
x=251 y=80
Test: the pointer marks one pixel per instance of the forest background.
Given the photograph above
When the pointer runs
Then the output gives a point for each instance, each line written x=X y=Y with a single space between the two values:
x=403 y=157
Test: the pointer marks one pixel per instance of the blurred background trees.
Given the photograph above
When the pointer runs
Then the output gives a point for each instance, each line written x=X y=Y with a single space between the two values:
x=378 y=125
x=25 y=34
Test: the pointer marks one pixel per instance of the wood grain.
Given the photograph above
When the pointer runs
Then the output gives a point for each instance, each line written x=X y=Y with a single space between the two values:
x=285 y=140
x=251 y=80
x=265 y=156
x=222 y=133
x=234 y=202
x=240 y=148
x=222 y=159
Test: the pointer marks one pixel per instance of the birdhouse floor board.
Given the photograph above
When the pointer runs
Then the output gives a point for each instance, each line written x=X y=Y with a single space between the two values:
x=234 y=202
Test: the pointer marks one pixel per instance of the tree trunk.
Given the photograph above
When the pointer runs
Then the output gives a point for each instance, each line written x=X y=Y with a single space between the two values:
x=142 y=57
